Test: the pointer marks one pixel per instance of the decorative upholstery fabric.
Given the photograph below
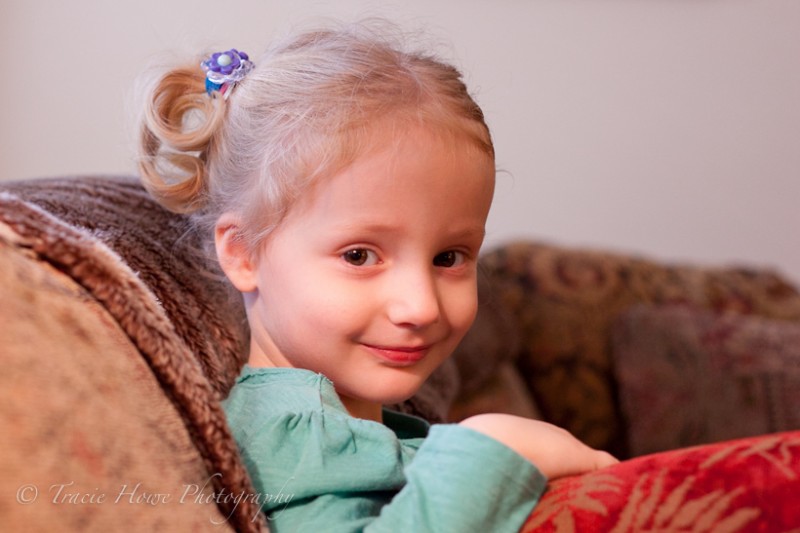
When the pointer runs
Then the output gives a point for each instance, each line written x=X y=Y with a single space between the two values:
x=90 y=440
x=489 y=382
x=159 y=248
x=564 y=302
x=77 y=246
x=502 y=392
x=690 y=376
x=743 y=486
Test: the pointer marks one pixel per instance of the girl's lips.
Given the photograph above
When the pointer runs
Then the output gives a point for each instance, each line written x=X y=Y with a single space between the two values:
x=399 y=355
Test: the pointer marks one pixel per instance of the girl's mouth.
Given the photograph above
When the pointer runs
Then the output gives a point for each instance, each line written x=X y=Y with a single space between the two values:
x=399 y=355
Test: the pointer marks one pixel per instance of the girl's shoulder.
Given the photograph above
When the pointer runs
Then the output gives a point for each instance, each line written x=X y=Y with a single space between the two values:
x=291 y=425
x=278 y=390
x=287 y=401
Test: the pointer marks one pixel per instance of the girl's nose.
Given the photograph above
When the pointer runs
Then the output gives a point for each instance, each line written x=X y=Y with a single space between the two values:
x=414 y=300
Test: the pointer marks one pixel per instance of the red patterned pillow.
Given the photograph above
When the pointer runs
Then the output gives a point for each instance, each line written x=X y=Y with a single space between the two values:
x=740 y=486
x=689 y=376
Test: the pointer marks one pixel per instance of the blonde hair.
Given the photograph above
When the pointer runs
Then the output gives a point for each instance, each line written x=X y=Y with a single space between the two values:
x=305 y=111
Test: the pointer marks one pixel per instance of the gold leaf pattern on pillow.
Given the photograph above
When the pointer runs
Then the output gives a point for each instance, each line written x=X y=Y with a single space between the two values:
x=735 y=486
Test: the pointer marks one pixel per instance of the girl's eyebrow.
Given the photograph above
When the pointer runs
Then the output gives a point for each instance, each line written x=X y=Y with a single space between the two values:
x=473 y=232
x=369 y=227
x=467 y=232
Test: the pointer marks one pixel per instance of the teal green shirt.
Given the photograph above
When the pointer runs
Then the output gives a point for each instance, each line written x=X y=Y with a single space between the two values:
x=316 y=468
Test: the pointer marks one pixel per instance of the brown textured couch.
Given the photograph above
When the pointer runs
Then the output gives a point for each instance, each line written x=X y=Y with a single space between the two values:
x=612 y=346
x=118 y=345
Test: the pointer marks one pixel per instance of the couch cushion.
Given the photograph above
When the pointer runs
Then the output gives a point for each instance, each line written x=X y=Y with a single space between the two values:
x=565 y=300
x=167 y=258
x=90 y=442
x=691 y=376
x=109 y=281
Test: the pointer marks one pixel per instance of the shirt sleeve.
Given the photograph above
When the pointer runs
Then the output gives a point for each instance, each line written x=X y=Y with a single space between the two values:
x=340 y=474
x=462 y=480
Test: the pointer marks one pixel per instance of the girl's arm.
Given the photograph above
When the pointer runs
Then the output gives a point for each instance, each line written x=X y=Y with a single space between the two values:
x=475 y=476
x=459 y=480
x=554 y=451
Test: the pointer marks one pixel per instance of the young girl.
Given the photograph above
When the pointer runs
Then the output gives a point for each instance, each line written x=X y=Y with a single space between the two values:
x=346 y=184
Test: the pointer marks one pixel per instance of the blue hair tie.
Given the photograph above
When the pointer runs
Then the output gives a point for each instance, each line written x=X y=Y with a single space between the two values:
x=225 y=69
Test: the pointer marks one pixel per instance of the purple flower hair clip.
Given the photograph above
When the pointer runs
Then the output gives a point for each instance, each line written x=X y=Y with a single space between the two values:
x=226 y=69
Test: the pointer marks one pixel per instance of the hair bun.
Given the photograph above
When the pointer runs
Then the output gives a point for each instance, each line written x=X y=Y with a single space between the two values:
x=179 y=124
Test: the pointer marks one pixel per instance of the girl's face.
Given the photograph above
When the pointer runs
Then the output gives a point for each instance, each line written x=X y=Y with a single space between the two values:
x=371 y=278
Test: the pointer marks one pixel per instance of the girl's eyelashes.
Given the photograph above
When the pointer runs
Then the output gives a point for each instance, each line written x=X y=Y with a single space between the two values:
x=363 y=257
x=449 y=259
x=360 y=257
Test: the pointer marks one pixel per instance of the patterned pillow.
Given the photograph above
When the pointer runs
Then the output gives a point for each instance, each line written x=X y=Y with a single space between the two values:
x=740 y=486
x=689 y=376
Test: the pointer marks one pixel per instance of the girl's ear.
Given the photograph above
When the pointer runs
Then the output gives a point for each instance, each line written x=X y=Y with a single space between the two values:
x=233 y=255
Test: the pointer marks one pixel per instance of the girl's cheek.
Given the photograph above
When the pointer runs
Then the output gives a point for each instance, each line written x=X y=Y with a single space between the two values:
x=340 y=300
x=462 y=306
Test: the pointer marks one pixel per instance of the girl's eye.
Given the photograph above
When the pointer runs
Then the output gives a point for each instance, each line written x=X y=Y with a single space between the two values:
x=360 y=257
x=448 y=259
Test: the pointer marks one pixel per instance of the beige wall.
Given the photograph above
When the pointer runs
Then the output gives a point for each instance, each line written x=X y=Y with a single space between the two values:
x=666 y=127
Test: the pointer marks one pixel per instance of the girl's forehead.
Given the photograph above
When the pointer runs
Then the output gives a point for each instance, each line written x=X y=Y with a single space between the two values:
x=384 y=163
x=415 y=169
x=394 y=138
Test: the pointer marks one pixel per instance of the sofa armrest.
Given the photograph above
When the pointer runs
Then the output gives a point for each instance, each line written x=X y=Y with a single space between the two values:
x=90 y=442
